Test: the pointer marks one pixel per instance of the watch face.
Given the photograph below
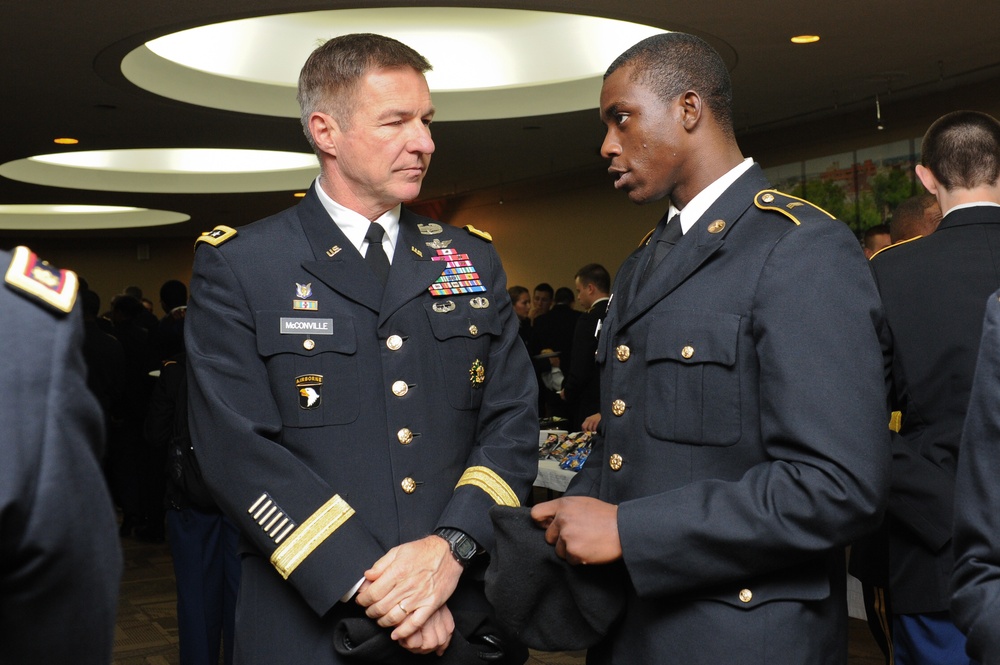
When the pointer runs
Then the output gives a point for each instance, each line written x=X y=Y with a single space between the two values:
x=465 y=548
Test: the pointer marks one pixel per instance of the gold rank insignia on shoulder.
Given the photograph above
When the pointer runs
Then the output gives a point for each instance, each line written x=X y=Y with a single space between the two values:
x=216 y=236
x=772 y=199
x=32 y=276
x=479 y=234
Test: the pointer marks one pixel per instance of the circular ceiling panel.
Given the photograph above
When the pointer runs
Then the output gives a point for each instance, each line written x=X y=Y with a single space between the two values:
x=488 y=63
x=44 y=217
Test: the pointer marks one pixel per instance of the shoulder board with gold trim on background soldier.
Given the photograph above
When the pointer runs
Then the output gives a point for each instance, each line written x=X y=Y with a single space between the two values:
x=479 y=234
x=895 y=244
x=31 y=276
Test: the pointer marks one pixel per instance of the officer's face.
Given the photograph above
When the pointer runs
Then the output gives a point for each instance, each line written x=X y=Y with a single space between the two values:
x=382 y=154
x=645 y=139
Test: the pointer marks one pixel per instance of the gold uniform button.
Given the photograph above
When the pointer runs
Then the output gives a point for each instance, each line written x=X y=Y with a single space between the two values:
x=399 y=388
x=615 y=462
x=687 y=352
x=409 y=485
x=405 y=436
x=623 y=353
x=309 y=345
x=394 y=343
x=473 y=330
x=746 y=595
x=618 y=407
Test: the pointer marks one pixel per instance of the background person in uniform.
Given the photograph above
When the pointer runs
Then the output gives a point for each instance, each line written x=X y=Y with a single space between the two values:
x=934 y=292
x=552 y=332
x=975 y=602
x=60 y=561
x=744 y=420
x=915 y=217
x=581 y=389
x=541 y=300
x=875 y=238
x=358 y=418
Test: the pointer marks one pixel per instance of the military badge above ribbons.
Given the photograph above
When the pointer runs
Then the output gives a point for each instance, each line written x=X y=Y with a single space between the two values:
x=459 y=275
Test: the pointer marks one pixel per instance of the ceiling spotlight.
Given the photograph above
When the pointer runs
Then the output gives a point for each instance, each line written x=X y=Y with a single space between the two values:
x=66 y=141
x=805 y=39
x=878 y=115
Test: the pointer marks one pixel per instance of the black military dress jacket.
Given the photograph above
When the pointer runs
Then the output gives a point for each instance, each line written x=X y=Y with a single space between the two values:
x=934 y=290
x=745 y=440
x=60 y=559
x=334 y=419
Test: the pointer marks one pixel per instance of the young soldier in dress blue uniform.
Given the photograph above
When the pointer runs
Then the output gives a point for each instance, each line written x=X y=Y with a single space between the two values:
x=744 y=417
x=359 y=393
x=60 y=561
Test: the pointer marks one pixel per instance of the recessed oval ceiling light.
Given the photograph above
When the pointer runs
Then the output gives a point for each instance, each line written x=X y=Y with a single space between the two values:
x=168 y=170
x=66 y=141
x=805 y=39
x=488 y=63
x=44 y=217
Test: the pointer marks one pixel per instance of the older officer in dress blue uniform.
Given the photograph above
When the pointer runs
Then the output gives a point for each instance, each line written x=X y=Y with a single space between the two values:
x=60 y=560
x=356 y=418
x=743 y=399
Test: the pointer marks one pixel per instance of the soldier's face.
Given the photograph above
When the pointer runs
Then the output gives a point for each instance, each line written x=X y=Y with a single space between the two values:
x=382 y=154
x=644 y=139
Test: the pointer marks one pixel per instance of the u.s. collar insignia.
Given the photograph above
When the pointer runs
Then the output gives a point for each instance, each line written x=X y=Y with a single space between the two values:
x=416 y=251
x=303 y=291
x=333 y=251
x=437 y=243
x=431 y=229
x=310 y=387
x=477 y=373
x=479 y=302
x=443 y=306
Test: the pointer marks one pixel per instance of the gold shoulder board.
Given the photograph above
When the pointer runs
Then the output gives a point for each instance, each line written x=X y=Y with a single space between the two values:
x=216 y=236
x=476 y=232
x=29 y=274
x=792 y=207
x=896 y=244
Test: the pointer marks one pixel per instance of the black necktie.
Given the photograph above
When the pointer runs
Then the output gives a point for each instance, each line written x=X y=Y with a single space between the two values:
x=375 y=257
x=663 y=244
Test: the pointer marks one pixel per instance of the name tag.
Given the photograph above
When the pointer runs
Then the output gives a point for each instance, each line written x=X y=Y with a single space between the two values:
x=293 y=326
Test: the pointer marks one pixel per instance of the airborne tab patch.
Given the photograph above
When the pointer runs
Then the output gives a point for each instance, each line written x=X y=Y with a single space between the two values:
x=30 y=275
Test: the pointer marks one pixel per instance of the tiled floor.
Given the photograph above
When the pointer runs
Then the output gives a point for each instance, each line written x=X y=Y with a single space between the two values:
x=147 y=626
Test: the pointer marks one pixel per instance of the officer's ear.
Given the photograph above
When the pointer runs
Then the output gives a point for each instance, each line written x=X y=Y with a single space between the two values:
x=325 y=132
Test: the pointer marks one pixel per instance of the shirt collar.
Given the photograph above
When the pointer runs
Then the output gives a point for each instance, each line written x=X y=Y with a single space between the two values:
x=697 y=206
x=972 y=204
x=355 y=225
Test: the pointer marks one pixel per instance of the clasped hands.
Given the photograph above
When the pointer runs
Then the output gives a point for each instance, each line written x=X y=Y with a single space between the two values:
x=407 y=588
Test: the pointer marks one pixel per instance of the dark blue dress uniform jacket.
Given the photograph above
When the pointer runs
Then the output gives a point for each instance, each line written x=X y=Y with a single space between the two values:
x=934 y=291
x=60 y=560
x=975 y=604
x=745 y=435
x=413 y=412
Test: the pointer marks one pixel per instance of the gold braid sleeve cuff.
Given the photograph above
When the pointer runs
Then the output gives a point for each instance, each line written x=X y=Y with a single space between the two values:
x=487 y=480
x=310 y=534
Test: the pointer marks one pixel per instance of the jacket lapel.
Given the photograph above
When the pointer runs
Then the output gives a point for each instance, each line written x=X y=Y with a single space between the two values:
x=701 y=241
x=413 y=268
x=338 y=264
